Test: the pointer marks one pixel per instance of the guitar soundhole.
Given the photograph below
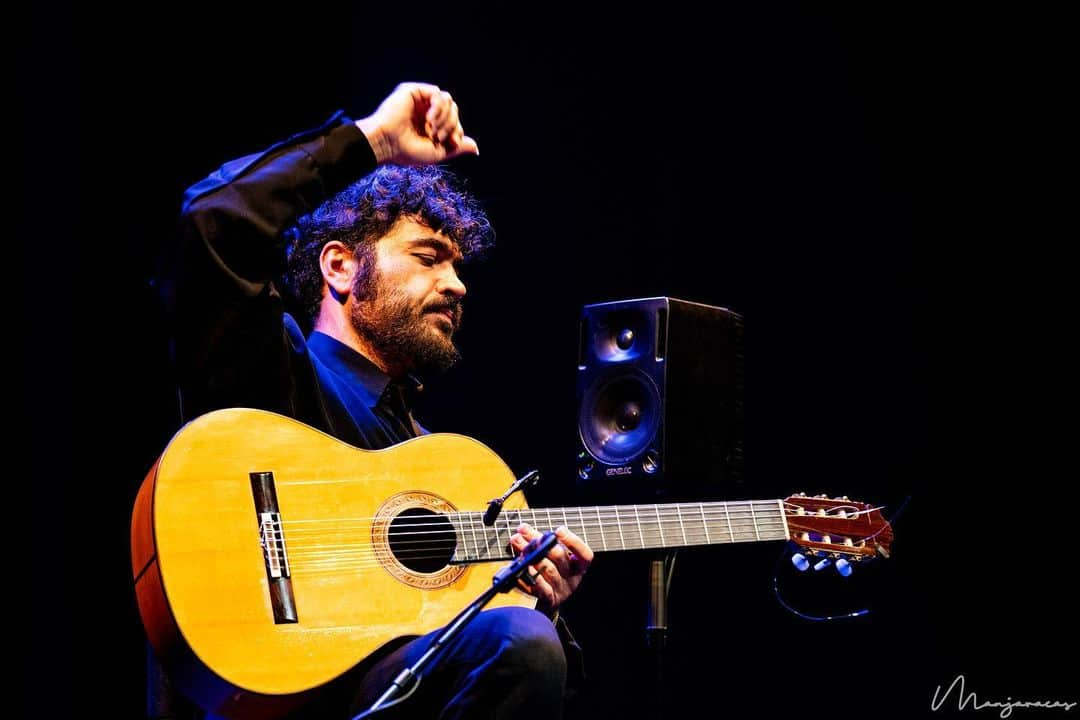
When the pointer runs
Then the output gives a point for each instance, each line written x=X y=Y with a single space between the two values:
x=421 y=540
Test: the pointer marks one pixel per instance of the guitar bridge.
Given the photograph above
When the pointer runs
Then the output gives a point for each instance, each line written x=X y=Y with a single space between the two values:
x=272 y=542
x=273 y=545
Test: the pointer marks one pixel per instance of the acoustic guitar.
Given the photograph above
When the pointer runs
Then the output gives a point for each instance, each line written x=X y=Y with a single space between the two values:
x=269 y=558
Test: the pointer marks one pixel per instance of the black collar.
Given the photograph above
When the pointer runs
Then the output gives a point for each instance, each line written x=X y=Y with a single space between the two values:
x=370 y=381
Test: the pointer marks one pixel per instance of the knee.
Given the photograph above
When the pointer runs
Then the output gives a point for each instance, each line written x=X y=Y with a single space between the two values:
x=529 y=643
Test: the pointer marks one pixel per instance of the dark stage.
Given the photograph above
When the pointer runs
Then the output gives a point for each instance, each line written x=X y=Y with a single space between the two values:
x=880 y=194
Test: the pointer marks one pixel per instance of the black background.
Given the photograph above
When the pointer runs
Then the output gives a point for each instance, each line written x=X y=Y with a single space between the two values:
x=886 y=196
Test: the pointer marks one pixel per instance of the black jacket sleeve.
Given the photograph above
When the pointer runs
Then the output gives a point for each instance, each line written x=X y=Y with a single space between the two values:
x=229 y=348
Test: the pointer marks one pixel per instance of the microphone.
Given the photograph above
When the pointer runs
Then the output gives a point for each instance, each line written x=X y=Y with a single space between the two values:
x=533 y=553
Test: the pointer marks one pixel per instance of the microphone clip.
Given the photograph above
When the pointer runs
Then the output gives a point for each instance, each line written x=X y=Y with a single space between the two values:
x=529 y=479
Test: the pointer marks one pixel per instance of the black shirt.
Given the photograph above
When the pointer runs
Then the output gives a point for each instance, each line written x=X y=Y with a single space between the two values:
x=365 y=388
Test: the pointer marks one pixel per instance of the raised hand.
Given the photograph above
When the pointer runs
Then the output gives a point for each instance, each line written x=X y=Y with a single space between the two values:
x=417 y=124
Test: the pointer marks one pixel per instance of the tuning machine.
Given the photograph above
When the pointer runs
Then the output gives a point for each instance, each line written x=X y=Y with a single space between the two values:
x=842 y=564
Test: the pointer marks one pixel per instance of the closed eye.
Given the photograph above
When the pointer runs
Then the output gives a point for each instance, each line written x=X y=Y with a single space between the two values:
x=426 y=260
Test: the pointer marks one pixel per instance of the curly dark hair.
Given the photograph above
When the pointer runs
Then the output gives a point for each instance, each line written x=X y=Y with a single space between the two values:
x=366 y=210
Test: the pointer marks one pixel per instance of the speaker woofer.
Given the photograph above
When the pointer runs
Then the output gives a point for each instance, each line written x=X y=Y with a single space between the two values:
x=619 y=415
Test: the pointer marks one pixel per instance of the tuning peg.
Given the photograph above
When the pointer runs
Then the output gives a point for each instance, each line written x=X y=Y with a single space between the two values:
x=843 y=567
x=822 y=564
x=800 y=562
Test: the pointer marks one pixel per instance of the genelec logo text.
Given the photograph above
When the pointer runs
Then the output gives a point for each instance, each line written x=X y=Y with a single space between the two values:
x=617 y=471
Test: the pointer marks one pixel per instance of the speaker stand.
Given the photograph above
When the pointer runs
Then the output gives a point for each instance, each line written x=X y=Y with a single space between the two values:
x=656 y=631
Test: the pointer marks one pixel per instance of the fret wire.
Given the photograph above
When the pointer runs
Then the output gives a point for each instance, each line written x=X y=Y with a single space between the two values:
x=500 y=548
x=483 y=551
x=468 y=533
x=507 y=546
x=493 y=544
x=618 y=524
x=600 y=524
x=462 y=527
x=463 y=538
x=490 y=532
x=481 y=541
x=459 y=538
x=678 y=509
x=509 y=531
x=483 y=534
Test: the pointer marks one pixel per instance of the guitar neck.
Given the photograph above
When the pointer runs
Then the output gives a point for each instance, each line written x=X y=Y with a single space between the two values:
x=626 y=527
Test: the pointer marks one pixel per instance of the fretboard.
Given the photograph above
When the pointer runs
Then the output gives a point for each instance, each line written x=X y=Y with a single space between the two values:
x=625 y=527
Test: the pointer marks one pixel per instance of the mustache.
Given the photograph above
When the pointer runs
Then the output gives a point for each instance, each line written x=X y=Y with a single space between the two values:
x=454 y=305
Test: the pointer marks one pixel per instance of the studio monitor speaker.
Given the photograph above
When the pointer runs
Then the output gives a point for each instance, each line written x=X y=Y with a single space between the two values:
x=660 y=400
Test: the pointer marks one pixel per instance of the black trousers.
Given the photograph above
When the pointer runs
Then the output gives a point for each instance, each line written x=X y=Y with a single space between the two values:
x=509 y=663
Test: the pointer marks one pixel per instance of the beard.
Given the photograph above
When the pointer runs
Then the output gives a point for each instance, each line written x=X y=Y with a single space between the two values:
x=399 y=329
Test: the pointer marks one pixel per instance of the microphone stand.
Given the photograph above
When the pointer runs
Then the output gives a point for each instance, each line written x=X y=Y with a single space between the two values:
x=503 y=581
x=656 y=631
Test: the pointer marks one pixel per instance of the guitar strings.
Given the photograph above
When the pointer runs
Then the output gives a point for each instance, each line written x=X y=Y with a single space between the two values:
x=592 y=520
x=745 y=521
x=376 y=557
x=671 y=509
x=468 y=521
x=472 y=522
x=363 y=554
x=424 y=544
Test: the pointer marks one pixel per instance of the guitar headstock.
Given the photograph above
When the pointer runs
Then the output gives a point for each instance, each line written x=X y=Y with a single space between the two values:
x=837 y=527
